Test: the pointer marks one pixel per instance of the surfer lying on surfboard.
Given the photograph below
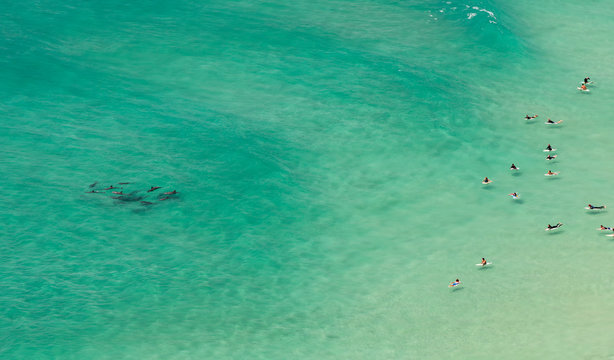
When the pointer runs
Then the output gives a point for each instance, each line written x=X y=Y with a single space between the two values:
x=527 y=117
x=605 y=228
x=550 y=157
x=454 y=283
x=591 y=207
x=551 y=227
x=514 y=195
x=550 y=173
x=549 y=121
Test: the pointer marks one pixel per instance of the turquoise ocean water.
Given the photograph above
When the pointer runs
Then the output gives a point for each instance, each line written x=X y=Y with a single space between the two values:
x=328 y=157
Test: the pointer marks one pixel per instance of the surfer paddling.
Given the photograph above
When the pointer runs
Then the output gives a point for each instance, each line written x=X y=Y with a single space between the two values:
x=591 y=207
x=454 y=283
x=550 y=157
x=527 y=117
x=605 y=228
x=552 y=227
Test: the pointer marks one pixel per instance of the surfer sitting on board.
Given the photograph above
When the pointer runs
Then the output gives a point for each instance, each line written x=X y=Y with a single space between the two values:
x=586 y=80
x=591 y=207
x=513 y=167
x=483 y=262
x=486 y=180
x=550 y=157
x=549 y=148
x=527 y=117
x=454 y=283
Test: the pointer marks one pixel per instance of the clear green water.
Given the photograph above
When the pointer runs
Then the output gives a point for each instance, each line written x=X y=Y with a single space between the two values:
x=328 y=156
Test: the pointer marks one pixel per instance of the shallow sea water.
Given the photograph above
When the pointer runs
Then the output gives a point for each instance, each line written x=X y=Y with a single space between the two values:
x=328 y=158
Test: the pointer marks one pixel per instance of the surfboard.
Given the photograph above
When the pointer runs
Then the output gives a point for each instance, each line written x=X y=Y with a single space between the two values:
x=556 y=173
x=454 y=285
x=517 y=168
x=486 y=183
x=488 y=263
x=546 y=150
x=587 y=90
x=610 y=235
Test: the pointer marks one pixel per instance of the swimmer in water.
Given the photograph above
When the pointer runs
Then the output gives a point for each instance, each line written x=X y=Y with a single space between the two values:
x=454 y=283
x=513 y=167
x=123 y=183
x=154 y=188
x=93 y=192
x=486 y=181
x=165 y=198
x=527 y=117
x=550 y=157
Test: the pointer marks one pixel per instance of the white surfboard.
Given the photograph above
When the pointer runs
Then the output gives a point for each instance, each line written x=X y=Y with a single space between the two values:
x=517 y=168
x=587 y=90
x=546 y=150
x=610 y=235
x=553 y=174
x=488 y=263
x=486 y=183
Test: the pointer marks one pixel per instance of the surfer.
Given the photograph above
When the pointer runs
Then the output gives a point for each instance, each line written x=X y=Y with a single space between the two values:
x=94 y=184
x=586 y=80
x=605 y=228
x=486 y=181
x=124 y=183
x=583 y=87
x=154 y=188
x=550 y=227
x=146 y=203
x=483 y=262
x=548 y=148
x=513 y=167
x=550 y=157
x=550 y=173
x=550 y=121
x=591 y=207
x=454 y=283
x=527 y=117
x=514 y=195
